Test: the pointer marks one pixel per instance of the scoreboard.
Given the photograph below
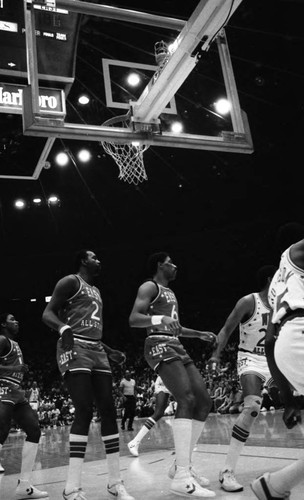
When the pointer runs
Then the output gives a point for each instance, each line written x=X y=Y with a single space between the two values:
x=56 y=37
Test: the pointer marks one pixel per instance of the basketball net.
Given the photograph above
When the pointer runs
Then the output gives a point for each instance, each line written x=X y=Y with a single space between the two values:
x=128 y=157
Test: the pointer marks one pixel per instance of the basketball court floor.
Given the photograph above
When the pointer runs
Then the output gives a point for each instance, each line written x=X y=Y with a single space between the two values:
x=271 y=446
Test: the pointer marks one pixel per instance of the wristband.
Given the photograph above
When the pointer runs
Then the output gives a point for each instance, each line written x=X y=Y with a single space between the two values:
x=63 y=328
x=157 y=319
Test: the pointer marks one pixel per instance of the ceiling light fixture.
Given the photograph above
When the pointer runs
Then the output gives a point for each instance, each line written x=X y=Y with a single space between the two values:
x=62 y=159
x=133 y=79
x=53 y=200
x=222 y=106
x=20 y=204
x=83 y=99
x=84 y=155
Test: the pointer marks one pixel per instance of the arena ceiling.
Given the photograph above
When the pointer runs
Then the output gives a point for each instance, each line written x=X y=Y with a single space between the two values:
x=216 y=212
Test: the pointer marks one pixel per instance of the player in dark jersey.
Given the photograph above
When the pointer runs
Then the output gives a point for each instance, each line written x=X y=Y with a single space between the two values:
x=156 y=309
x=76 y=312
x=14 y=405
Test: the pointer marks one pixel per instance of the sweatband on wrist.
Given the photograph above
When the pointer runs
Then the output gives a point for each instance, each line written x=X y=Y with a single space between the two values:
x=63 y=328
x=156 y=319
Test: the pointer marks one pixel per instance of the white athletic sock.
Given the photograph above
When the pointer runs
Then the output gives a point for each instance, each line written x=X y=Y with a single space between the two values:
x=285 y=479
x=182 y=431
x=78 y=446
x=197 y=429
x=148 y=424
x=111 y=444
x=29 y=452
x=236 y=445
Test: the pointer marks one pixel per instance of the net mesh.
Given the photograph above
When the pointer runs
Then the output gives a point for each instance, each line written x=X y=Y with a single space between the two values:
x=128 y=157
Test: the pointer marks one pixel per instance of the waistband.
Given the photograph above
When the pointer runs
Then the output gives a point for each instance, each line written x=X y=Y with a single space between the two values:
x=87 y=340
x=291 y=314
x=161 y=335
x=252 y=352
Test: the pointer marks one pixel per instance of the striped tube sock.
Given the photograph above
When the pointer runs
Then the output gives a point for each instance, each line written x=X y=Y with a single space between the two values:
x=111 y=444
x=147 y=426
x=78 y=446
x=238 y=440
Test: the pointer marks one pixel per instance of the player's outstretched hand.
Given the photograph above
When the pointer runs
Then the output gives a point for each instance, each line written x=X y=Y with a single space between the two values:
x=209 y=337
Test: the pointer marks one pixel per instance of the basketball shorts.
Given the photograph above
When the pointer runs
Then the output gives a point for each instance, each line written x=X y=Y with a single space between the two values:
x=12 y=395
x=86 y=357
x=159 y=386
x=289 y=352
x=249 y=363
x=164 y=348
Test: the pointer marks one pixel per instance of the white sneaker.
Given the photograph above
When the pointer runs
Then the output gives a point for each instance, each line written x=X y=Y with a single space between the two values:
x=76 y=494
x=26 y=490
x=119 y=492
x=261 y=490
x=201 y=480
x=1 y=468
x=184 y=484
x=228 y=481
x=133 y=448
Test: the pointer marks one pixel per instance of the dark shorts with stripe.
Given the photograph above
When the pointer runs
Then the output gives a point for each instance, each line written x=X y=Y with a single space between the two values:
x=164 y=348
x=12 y=394
x=86 y=357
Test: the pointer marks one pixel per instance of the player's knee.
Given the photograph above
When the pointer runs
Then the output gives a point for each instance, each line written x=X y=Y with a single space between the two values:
x=252 y=406
x=187 y=400
x=33 y=434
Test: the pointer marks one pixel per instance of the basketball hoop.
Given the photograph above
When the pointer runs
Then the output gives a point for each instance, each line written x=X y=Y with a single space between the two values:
x=129 y=156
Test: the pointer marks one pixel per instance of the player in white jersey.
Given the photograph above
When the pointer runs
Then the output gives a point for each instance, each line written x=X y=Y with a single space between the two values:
x=251 y=313
x=285 y=354
x=161 y=401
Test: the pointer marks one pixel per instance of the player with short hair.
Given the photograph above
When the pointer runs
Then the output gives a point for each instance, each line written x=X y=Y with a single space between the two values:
x=156 y=309
x=251 y=313
x=76 y=312
x=14 y=405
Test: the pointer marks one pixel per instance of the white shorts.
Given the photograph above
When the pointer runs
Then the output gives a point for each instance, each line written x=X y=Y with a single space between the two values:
x=159 y=386
x=249 y=363
x=289 y=352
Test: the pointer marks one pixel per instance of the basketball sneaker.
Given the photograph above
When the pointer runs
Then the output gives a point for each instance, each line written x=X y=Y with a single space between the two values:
x=260 y=488
x=201 y=480
x=118 y=492
x=184 y=484
x=26 y=490
x=228 y=481
x=1 y=468
x=76 y=494
x=133 y=448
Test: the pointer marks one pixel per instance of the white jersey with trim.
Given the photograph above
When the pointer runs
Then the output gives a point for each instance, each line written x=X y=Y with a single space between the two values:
x=286 y=286
x=253 y=331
